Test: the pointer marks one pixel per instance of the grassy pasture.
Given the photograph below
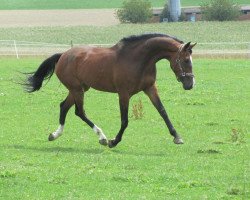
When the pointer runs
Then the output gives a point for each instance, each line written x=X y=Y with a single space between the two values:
x=196 y=32
x=213 y=120
x=84 y=4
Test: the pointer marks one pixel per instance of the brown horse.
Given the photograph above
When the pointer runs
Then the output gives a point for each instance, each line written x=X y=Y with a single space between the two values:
x=125 y=68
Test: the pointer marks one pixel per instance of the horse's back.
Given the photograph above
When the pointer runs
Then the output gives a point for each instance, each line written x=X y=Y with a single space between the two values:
x=87 y=67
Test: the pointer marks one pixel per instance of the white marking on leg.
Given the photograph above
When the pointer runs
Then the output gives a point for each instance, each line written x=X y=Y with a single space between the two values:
x=99 y=132
x=58 y=132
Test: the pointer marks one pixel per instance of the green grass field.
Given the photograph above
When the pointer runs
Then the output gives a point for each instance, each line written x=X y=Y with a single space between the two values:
x=196 y=32
x=78 y=4
x=213 y=120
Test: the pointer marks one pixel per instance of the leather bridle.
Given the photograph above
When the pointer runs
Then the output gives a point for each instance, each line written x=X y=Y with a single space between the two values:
x=178 y=61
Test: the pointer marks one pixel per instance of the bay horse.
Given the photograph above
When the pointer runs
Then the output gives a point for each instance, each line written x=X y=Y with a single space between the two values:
x=126 y=68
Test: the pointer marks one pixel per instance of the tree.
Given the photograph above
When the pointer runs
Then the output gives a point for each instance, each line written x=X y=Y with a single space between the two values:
x=135 y=11
x=220 y=10
x=165 y=13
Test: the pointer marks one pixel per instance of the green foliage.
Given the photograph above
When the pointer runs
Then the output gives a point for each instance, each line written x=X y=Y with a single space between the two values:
x=220 y=10
x=165 y=13
x=135 y=11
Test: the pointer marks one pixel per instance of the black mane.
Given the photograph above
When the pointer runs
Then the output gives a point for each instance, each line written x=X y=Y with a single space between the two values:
x=135 y=38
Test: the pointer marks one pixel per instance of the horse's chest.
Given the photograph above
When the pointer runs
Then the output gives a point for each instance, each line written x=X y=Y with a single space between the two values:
x=142 y=82
x=147 y=81
x=148 y=76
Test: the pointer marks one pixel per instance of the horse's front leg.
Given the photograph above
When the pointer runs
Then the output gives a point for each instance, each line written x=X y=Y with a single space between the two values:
x=124 y=103
x=155 y=99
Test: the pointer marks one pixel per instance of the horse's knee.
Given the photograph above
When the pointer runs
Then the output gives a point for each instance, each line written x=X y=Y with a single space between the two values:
x=78 y=113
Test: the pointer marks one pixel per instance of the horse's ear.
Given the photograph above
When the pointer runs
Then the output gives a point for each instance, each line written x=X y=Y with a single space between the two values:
x=192 y=45
x=187 y=46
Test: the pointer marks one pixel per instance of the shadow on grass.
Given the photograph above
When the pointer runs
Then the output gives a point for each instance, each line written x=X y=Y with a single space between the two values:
x=55 y=149
x=94 y=151
x=138 y=153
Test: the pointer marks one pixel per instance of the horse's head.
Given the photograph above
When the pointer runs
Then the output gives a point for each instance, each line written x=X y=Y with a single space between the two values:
x=181 y=64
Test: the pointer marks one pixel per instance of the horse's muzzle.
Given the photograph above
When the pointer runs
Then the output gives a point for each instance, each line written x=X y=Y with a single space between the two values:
x=187 y=82
x=188 y=87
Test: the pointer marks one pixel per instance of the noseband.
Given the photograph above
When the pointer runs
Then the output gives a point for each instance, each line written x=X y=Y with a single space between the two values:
x=178 y=61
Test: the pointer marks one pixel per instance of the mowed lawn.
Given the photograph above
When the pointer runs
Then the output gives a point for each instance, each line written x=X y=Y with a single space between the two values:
x=85 y=4
x=213 y=120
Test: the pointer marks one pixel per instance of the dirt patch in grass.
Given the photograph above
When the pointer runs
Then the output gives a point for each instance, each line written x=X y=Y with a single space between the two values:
x=89 y=17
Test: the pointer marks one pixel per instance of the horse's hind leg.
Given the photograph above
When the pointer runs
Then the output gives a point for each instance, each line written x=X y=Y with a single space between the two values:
x=78 y=97
x=64 y=108
x=124 y=103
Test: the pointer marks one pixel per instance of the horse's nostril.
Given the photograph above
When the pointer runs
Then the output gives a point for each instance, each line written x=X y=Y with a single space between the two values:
x=187 y=87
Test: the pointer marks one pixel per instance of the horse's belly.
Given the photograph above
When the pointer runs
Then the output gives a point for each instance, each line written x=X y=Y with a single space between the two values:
x=104 y=87
x=100 y=81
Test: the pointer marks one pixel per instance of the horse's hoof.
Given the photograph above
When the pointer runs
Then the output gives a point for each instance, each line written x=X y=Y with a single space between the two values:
x=111 y=143
x=51 y=137
x=178 y=141
x=103 y=142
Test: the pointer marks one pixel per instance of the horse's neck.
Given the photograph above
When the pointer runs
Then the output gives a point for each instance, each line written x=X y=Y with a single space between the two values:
x=160 y=48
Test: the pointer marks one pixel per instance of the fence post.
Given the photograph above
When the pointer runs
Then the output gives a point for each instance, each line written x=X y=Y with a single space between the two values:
x=16 y=49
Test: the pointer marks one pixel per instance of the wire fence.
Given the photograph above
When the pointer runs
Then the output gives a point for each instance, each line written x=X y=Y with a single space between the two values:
x=26 y=48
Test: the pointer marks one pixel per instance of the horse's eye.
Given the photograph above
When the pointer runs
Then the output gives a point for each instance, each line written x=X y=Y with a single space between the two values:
x=187 y=61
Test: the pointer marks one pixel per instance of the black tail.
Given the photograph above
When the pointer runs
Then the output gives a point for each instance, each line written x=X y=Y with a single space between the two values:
x=45 y=71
